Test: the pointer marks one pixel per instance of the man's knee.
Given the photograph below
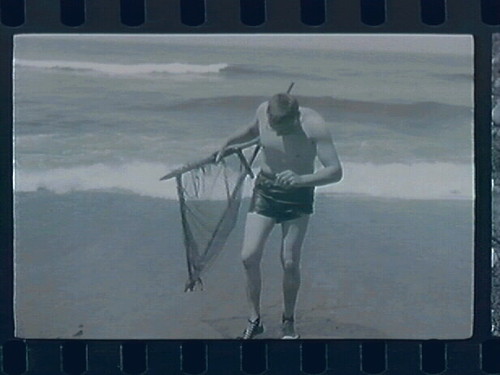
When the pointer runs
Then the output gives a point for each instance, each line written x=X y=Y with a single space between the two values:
x=250 y=259
x=291 y=265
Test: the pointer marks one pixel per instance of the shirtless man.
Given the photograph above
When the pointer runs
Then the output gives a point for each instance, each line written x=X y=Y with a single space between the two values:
x=291 y=138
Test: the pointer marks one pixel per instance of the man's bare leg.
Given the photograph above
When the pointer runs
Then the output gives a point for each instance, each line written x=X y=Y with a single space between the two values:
x=257 y=230
x=293 y=237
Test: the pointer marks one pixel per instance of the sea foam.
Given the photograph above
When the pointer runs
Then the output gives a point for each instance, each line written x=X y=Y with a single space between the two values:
x=421 y=180
x=123 y=69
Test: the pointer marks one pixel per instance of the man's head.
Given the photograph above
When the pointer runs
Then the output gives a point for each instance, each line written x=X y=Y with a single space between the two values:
x=283 y=113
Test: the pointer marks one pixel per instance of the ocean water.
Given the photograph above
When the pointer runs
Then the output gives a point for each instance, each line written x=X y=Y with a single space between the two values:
x=99 y=119
x=109 y=112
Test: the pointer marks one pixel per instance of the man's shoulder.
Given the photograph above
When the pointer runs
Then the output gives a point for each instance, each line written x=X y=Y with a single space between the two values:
x=261 y=112
x=313 y=123
x=262 y=107
x=310 y=115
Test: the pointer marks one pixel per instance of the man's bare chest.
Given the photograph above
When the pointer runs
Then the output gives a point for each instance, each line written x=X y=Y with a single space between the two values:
x=292 y=147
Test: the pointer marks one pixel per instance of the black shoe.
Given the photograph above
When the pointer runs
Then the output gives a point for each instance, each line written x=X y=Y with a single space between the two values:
x=253 y=329
x=288 y=329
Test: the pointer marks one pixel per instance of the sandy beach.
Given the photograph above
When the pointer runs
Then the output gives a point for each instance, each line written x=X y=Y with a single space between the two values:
x=112 y=266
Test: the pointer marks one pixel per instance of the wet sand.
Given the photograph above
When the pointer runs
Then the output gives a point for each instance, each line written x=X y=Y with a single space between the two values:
x=112 y=266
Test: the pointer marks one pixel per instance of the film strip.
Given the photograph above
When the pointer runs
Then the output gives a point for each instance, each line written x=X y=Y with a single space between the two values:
x=477 y=355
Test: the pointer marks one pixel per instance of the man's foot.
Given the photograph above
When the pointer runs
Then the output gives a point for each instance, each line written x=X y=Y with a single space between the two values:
x=288 y=329
x=253 y=329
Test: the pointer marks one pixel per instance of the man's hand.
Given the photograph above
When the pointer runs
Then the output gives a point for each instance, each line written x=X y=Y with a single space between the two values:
x=288 y=178
x=220 y=154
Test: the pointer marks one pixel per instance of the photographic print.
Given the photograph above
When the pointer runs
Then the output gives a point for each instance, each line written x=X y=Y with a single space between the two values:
x=243 y=186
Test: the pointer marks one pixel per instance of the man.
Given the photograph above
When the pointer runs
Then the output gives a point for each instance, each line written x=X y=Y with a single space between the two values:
x=291 y=138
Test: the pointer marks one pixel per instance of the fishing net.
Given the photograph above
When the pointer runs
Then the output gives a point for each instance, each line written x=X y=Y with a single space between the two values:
x=210 y=197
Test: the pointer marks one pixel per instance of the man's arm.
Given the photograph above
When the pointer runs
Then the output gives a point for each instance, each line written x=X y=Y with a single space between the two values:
x=327 y=155
x=246 y=135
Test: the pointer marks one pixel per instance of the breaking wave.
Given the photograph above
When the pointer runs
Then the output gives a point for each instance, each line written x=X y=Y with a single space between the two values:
x=400 y=181
x=177 y=68
x=124 y=69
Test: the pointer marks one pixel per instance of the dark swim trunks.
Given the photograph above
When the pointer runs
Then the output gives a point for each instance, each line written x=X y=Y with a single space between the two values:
x=279 y=203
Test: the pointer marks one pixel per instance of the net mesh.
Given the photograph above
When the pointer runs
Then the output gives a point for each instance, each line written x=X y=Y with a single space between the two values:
x=210 y=197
